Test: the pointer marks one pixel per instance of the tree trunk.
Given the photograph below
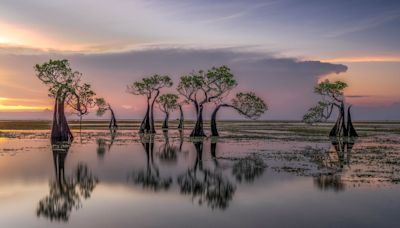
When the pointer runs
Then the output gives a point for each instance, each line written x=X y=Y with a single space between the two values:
x=145 y=125
x=152 y=127
x=181 y=119
x=214 y=130
x=351 y=131
x=113 y=122
x=344 y=128
x=60 y=131
x=165 y=123
x=198 y=130
x=339 y=129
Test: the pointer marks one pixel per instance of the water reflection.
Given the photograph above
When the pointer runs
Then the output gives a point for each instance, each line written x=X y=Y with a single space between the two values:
x=168 y=152
x=66 y=192
x=249 y=168
x=206 y=185
x=206 y=175
x=103 y=146
x=150 y=178
x=336 y=162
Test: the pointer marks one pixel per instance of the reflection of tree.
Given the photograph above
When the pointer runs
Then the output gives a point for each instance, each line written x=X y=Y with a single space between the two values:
x=343 y=147
x=168 y=152
x=150 y=177
x=248 y=168
x=206 y=186
x=66 y=192
x=103 y=146
x=180 y=140
x=329 y=182
x=335 y=162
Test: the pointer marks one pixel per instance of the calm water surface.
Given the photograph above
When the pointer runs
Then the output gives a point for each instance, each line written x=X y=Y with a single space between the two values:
x=122 y=180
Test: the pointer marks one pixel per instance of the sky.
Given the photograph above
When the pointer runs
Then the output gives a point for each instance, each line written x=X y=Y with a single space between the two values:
x=279 y=49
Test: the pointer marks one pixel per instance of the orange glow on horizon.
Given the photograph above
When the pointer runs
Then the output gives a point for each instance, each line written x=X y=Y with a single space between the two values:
x=22 y=108
x=18 y=107
x=363 y=59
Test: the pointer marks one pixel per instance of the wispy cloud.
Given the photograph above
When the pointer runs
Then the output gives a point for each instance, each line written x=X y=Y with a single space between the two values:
x=246 y=10
x=369 y=22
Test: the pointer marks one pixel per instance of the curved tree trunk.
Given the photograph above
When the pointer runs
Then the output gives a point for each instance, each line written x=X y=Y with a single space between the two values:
x=351 y=130
x=181 y=118
x=214 y=130
x=339 y=129
x=60 y=131
x=198 y=130
x=165 y=123
x=152 y=126
x=145 y=125
x=113 y=122
x=344 y=131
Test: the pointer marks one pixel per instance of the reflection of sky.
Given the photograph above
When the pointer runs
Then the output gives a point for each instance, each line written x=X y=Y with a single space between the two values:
x=360 y=34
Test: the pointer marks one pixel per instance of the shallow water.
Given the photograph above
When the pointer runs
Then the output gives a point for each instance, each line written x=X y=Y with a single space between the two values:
x=123 y=180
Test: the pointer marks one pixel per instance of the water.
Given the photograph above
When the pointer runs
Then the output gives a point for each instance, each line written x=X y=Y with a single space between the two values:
x=124 y=180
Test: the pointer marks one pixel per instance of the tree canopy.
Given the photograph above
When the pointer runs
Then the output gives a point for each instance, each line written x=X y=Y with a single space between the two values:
x=58 y=75
x=332 y=96
x=102 y=106
x=83 y=99
x=150 y=84
x=249 y=105
x=168 y=102
x=203 y=87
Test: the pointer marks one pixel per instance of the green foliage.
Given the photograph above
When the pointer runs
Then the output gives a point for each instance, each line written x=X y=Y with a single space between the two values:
x=219 y=80
x=210 y=86
x=316 y=113
x=102 y=106
x=249 y=105
x=333 y=90
x=82 y=99
x=58 y=75
x=168 y=102
x=147 y=85
x=65 y=84
x=332 y=95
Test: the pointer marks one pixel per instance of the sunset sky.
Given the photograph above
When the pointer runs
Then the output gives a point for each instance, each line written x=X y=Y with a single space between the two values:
x=279 y=49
